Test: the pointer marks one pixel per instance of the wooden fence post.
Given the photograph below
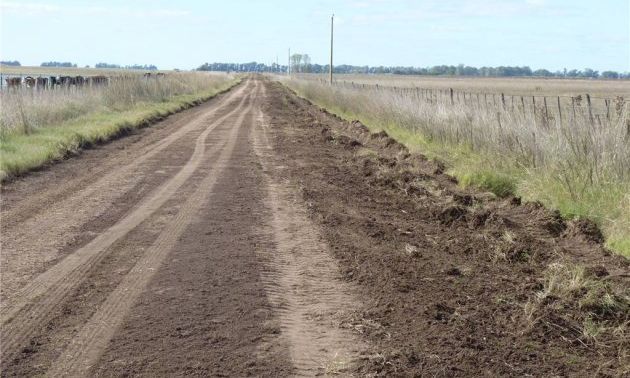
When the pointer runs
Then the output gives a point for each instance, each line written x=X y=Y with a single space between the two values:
x=452 y=101
x=559 y=110
x=607 y=102
x=590 y=111
x=503 y=100
x=523 y=104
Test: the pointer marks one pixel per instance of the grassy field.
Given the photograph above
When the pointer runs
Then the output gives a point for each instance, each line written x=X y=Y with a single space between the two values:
x=40 y=126
x=570 y=163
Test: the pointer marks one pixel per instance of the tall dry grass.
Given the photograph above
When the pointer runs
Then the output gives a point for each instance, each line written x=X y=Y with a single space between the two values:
x=24 y=110
x=575 y=164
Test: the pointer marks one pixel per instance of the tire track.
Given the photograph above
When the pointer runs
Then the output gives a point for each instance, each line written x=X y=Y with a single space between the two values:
x=27 y=209
x=89 y=344
x=20 y=321
x=28 y=249
x=301 y=280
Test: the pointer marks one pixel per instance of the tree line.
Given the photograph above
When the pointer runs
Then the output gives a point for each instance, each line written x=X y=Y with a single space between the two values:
x=301 y=63
x=14 y=63
x=58 y=64
x=147 y=67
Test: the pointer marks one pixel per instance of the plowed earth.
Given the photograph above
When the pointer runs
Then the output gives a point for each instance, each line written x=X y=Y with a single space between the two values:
x=256 y=234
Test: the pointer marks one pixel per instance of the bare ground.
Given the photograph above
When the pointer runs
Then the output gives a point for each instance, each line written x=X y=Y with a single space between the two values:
x=259 y=235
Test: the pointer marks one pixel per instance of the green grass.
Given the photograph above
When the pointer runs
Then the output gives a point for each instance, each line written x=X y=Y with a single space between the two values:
x=20 y=153
x=608 y=203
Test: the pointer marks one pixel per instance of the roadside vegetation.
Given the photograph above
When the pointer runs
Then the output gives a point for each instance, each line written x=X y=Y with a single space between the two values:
x=38 y=126
x=571 y=164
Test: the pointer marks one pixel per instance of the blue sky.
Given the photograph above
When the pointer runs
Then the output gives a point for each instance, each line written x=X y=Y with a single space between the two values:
x=183 y=34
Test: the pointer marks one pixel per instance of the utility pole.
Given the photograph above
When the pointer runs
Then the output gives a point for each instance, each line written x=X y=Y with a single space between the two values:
x=330 y=71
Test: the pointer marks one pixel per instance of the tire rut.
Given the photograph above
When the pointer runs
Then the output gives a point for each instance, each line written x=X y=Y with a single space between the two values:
x=302 y=281
x=26 y=251
x=20 y=320
x=28 y=208
x=85 y=349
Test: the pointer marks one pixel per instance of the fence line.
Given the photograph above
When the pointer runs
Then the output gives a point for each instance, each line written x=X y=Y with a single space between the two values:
x=606 y=110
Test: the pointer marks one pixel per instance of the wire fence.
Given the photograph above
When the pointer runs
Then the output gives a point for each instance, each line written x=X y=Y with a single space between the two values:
x=543 y=109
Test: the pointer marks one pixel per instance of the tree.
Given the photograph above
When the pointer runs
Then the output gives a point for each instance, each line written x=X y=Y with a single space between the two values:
x=10 y=63
x=296 y=62
x=610 y=75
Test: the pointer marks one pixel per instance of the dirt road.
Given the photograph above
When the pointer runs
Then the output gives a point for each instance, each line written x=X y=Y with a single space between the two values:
x=258 y=235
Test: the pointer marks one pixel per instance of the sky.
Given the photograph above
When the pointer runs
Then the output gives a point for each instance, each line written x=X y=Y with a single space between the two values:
x=551 y=34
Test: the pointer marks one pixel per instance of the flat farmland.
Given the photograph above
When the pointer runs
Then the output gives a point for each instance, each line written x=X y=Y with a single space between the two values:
x=524 y=86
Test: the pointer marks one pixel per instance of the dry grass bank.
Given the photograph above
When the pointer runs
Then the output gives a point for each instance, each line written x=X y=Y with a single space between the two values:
x=39 y=126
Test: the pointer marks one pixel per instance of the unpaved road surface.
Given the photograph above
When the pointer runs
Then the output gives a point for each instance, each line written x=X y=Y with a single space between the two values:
x=259 y=235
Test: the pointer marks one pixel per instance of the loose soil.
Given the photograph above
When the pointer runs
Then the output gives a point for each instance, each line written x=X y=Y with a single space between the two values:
x=257 y=234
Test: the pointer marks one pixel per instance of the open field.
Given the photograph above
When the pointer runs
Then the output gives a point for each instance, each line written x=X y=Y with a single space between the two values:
x=575 y=159
x=38 y=126
x=521 y=86
x=258 y=235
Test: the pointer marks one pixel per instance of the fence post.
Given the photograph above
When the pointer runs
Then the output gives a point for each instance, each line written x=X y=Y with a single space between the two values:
x=503 y=100
x=534 y=105
x=546 y=111
x=451 y=91
x=559 y=110
x=606 y=101
x=590 y=111
x=523 y=104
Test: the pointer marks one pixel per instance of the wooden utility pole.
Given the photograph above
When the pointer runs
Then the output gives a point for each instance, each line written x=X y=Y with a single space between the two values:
x=330 y=70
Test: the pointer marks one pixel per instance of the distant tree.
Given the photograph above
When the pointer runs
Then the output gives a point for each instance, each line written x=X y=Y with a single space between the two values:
x=610 y=75
x=147 y=67
x=106 y=65
x=296 y=62
x=10 y=63
x=543 y=73
x=589 y=73
x=302 y=63
x=572 y=73
x=58 y=64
